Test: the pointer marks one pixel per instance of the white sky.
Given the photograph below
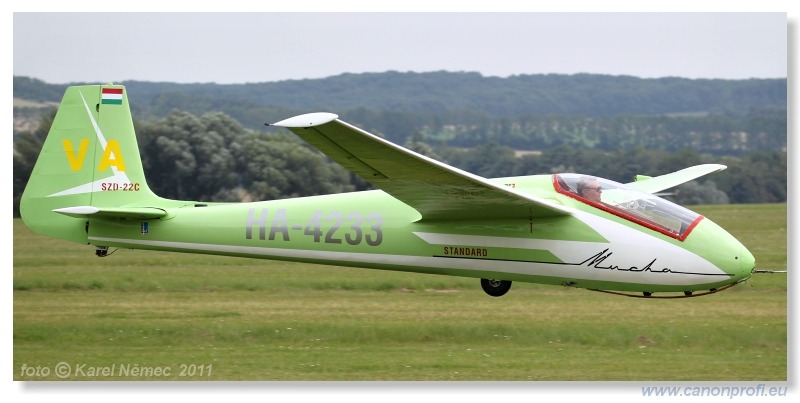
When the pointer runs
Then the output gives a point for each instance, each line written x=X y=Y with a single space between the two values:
x=267 y=46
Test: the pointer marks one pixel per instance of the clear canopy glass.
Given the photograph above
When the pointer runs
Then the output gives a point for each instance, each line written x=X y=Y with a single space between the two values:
x=640 y=207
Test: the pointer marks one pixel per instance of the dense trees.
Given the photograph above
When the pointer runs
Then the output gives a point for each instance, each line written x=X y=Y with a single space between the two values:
x=213 y=158
x=720 y=134
x=26 y=150
x=440 y=93
x=756 y=178
x=208 y=142
x=467 y=109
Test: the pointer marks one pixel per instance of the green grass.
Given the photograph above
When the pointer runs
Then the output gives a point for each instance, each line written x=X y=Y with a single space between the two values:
x=260 y=320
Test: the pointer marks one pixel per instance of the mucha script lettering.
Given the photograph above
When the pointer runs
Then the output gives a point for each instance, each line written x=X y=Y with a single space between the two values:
x=598 y=261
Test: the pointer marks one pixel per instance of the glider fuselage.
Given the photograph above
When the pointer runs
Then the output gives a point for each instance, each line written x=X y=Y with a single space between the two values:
x=89 y=186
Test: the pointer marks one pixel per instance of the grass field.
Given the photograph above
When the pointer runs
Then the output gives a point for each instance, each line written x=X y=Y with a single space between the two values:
x=139 y=315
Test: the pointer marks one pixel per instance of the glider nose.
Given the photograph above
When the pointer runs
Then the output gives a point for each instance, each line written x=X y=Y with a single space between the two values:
x=747 y=262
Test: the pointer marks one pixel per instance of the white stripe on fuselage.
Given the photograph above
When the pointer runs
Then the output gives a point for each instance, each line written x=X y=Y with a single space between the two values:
x=568 y=251
x=629 y=256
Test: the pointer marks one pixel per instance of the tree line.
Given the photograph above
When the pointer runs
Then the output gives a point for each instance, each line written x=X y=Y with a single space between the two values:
x=718 y=134
x=462 y=109
x=444 y=92
x=212 y=157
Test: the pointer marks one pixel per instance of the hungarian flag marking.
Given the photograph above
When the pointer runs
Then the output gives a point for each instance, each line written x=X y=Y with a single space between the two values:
x=111 y=96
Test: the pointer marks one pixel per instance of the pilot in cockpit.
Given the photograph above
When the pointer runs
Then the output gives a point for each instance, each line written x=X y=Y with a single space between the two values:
x=590 y=189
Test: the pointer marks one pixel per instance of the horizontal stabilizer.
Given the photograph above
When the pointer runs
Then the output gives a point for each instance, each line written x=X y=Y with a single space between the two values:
x=109 y=212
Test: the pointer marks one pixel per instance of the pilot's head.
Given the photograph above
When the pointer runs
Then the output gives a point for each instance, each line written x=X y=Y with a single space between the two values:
x=590 y=189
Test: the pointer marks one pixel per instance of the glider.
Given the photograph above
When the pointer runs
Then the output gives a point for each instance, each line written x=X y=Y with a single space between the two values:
x=88 y=186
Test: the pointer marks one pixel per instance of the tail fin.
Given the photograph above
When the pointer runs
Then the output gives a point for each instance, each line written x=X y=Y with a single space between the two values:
x=89 y=164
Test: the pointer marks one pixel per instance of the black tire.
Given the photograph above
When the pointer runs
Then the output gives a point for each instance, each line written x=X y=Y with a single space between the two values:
x=495 y=288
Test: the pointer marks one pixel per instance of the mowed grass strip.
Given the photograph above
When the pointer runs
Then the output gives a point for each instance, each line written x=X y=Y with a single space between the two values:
x=244 y=319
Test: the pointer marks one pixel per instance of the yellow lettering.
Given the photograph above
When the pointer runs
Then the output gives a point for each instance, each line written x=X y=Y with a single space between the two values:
x=112 y=156
x=76 y=158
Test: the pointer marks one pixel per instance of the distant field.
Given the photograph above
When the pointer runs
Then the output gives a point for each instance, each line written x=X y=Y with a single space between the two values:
x=28 y=114
x=139 y=315
x=25 y=103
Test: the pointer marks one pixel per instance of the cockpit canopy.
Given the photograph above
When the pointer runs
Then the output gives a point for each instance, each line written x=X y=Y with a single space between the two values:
x=624 y=201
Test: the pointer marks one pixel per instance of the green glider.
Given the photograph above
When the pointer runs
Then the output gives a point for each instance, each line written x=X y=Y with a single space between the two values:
x=89 y=187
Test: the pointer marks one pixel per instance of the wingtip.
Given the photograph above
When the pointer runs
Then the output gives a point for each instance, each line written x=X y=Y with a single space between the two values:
x=713 y=167
x=307 y=120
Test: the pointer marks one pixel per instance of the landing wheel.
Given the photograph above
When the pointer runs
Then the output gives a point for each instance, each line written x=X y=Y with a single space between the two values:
x=495 y=288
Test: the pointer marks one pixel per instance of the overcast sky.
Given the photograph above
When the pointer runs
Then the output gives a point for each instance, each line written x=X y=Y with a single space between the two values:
x=261 y=47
